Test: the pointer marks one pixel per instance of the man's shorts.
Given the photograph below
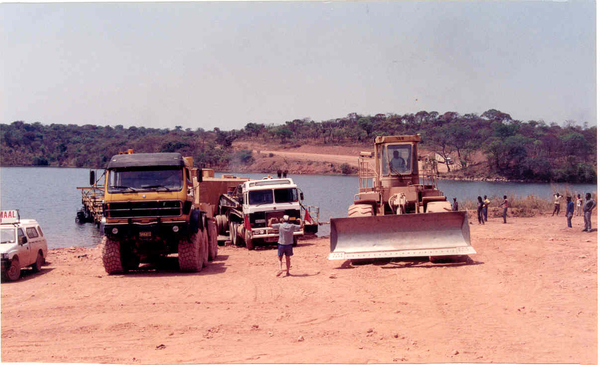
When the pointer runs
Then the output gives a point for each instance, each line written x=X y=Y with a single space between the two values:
x=284 y=249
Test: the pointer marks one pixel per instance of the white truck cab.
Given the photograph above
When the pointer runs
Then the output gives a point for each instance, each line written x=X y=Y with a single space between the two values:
x=22 y=244
x=256 y=203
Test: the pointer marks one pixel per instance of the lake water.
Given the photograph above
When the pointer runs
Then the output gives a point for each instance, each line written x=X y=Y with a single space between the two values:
x=50 y=196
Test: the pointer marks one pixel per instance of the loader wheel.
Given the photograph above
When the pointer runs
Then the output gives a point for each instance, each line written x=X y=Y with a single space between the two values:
x=221 y=222
x=204 y=252
x=111 y=256
x=248 y=240
x=212 y=240
x=189 y=253
x=360 y=210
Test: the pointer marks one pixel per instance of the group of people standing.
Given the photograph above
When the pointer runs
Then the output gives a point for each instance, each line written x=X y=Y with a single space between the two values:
x=482 y=208
x=584 y=209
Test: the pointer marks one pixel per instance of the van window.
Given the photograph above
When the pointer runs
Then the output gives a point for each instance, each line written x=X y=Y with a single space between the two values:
x=20 y=234
x=31 y=232
x=40 y=230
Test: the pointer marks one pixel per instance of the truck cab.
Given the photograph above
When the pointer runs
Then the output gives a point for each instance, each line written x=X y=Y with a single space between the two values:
x=255 y=203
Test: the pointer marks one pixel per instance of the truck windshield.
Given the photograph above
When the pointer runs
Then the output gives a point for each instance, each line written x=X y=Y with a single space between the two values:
x=396 y=159
x=7 y=235
x=121 y=180
x=286 y=195
x=260 y=197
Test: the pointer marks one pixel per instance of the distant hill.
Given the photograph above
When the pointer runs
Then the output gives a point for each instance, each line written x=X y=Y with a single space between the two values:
x=487 y=146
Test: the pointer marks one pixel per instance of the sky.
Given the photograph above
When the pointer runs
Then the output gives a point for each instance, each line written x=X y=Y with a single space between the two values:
x=226 y=64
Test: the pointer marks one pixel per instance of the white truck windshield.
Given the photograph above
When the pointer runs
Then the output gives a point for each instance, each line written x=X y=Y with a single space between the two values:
x=7 y=235
x=144 y=180
x=266 y=196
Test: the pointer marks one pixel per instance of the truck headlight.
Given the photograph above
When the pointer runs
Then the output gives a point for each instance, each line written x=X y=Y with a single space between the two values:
x=115 y=230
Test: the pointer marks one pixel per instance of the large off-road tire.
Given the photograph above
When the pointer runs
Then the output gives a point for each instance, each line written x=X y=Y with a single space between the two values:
x=213 y=245
x=39 y=262
x=111 y=256
x=189 y=255
x=205 y=246
x=248 y=240
x=13 y=273
x=360 y=210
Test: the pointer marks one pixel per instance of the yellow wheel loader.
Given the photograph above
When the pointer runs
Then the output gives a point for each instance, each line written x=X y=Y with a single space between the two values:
x=397 y=211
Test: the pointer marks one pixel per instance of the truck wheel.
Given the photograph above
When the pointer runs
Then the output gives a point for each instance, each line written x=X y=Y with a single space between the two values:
x=14 y=271
x=248 y=240
x=233 y=236
x=39 y=261
x=221 y=221
x=111 y=256
x=189 y=254
x=360 y=210
x=212 y=240
x=205 y=249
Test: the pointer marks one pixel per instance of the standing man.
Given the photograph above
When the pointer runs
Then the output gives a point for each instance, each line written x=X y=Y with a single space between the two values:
x=589 y=205
x=570 y=211
x=284 y=245
x=556 y=210
x=578 y=212
x=504 y=207
x=455 y=206
x=486 y=202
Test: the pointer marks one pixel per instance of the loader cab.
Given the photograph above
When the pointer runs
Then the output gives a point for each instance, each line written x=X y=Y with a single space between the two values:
x=396 y=159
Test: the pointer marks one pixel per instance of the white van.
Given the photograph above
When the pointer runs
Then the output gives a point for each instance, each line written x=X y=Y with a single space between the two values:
x=22 y=244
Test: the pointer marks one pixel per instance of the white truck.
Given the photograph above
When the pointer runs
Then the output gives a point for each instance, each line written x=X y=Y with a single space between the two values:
x=249 y=208
x=22 y=244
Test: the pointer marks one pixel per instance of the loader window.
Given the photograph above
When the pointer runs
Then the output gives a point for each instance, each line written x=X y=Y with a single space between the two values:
x=286 y=195
x=260 y=197
x=396 y=159
x=124 y=181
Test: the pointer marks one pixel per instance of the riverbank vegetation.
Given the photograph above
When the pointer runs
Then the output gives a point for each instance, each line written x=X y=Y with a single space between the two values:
x=487 y=146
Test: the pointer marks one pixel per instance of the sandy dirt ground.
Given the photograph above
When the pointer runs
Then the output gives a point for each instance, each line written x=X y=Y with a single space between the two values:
x=529 y=295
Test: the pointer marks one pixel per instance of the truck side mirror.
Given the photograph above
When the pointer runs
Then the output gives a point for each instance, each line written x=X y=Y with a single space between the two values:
x=199 y=175
x=92 y=177
x=301 y=196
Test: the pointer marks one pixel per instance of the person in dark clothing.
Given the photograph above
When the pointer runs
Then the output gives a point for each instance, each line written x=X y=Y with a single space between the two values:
x=589 y=205
x=570 y=211
x=455 y=205
x=480 y=205
x=504 y=207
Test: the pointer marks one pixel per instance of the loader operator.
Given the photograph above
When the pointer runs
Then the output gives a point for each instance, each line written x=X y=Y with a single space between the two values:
x=284 y=245
x=398 y=163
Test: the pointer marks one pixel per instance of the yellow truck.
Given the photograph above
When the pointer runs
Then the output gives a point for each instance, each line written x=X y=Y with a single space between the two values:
x=153 y=206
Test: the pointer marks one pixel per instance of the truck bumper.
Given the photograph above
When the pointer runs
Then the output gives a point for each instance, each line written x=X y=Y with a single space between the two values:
x=147 y=231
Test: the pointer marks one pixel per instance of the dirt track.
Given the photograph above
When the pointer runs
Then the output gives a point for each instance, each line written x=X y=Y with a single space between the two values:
x=529 y=296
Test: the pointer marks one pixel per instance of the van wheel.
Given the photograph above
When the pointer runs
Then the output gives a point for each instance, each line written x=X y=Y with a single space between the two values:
x=37 y=266
x=14 y=271
x=111 y=256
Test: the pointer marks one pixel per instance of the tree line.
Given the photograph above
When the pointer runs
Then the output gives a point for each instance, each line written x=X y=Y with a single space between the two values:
x=512 y=149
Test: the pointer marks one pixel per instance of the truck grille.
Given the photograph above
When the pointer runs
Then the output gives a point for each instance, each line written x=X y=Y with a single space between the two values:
x=143 y=209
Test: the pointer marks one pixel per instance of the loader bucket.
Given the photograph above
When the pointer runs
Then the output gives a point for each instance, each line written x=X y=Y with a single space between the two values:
x=408 y=235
